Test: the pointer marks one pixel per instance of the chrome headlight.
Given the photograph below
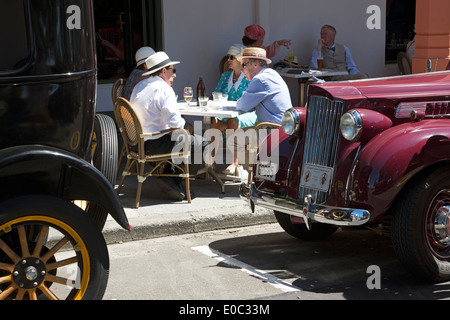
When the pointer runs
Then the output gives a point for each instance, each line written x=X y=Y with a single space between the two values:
x=290 y=122
x=351 y=125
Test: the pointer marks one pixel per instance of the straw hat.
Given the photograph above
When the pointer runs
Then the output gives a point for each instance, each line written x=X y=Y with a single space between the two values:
x=142 y=54
x=254 y=53
x=158 y=61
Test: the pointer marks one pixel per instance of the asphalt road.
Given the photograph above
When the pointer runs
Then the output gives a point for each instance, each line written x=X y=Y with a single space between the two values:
x=263 y=262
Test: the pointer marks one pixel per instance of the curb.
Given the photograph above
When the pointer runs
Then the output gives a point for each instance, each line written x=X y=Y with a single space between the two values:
x=164 y=225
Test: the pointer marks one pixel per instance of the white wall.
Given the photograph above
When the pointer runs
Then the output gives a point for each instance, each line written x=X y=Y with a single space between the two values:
x=199 y=32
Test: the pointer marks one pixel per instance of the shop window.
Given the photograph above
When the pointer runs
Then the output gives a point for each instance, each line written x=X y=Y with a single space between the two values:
x=400 y=19
x=122 y=27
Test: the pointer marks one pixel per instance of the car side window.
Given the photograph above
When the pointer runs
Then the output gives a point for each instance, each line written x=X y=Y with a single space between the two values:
x=14 y=37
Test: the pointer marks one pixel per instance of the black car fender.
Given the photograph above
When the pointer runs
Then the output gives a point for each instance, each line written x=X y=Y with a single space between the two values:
x=32 y=169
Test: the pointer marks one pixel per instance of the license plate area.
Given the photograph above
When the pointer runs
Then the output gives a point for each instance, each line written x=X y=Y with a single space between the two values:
x=266 y=170
x=316 y=177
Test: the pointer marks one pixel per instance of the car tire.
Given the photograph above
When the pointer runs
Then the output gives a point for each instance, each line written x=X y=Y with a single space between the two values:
x=104 y=158
x=421 y=225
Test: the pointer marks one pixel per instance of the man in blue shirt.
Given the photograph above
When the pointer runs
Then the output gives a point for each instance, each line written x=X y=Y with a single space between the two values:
x=267 y=94
x=335 y=56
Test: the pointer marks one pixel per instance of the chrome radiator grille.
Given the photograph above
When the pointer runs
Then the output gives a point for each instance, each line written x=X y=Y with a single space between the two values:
x=321 y=138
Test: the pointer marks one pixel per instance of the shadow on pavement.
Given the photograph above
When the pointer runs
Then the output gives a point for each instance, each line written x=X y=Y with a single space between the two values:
x=337 y=267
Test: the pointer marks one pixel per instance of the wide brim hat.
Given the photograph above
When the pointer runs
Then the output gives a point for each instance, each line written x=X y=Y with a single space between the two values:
x=142 y=54
x=158 y=61
x=254 y=53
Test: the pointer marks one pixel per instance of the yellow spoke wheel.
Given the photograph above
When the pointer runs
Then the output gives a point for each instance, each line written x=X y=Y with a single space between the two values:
x=50 y=249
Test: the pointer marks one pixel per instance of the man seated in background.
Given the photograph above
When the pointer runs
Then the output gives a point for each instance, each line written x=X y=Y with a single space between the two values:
x=335 y=56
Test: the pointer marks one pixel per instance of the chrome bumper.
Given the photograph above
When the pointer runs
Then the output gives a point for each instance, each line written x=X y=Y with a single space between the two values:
x=307 y=210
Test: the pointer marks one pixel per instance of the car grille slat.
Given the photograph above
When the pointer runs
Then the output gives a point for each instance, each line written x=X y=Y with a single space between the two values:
x=321 y=138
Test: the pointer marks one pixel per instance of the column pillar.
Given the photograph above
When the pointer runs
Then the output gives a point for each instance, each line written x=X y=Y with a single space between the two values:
x=432 y=35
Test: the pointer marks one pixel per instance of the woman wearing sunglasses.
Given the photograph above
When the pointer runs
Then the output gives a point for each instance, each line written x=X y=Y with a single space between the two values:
x=234 y=84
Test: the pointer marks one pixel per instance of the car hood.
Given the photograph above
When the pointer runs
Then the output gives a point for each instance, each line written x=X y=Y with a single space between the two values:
x=397 y=87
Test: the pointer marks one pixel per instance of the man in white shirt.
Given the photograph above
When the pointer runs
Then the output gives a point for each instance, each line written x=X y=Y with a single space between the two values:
x=155 y=103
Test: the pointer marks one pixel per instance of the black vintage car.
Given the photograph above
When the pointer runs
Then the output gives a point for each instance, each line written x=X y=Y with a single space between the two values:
x=57 y=157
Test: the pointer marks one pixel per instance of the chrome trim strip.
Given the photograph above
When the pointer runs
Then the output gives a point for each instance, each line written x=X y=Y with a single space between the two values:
x=403 y=110
x=294 y=152
x=351 y=174
x=320 y=213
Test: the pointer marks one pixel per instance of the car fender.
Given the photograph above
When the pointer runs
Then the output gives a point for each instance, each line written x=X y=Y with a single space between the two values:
x=387 y=162
x=31 y=169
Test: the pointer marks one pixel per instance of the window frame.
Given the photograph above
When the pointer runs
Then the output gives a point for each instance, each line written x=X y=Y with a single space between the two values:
x=29 y=41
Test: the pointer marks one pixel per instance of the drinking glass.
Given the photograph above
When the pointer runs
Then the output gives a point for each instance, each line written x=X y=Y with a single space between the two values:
x=188 y=94
x=319 y=63
x=203 y=101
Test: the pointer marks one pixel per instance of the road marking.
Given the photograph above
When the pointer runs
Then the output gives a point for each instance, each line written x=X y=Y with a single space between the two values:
x=274 y=281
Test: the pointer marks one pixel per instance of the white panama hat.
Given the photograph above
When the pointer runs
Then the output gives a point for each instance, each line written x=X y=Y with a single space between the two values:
x=158 y=61
x=142 y=54
x=236 y=50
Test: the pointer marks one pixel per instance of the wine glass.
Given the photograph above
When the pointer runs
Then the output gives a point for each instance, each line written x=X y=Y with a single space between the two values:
x=188 y=94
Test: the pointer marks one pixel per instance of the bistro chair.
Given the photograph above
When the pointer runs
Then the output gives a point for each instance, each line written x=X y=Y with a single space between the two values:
x=252 y=148
x=117 y=89
x=133 y=139
x=404 y=63
x=116 y=92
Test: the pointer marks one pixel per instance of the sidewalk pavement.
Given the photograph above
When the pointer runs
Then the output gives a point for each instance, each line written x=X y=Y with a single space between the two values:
x=158 y=216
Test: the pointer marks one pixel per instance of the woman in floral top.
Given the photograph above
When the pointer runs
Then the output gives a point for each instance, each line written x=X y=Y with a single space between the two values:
x=234 y=84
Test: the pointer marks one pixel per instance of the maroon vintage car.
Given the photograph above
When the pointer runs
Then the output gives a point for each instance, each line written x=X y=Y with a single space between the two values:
x=366 y=153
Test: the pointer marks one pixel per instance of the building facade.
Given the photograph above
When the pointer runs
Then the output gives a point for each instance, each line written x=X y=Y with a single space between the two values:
x=199 y=32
